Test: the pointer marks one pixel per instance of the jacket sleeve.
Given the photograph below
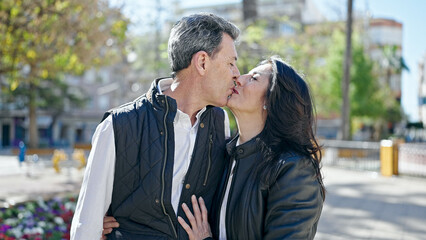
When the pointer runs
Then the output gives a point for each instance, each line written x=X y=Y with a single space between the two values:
x=294 y=201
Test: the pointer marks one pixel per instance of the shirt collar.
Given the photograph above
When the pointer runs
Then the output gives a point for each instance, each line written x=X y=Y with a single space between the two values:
x=164 y=84
x=180 y=115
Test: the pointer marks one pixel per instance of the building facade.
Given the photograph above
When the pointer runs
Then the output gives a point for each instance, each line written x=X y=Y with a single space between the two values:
x=384 y=42
x=105 y=88
x=112 y=86
x=300 y=11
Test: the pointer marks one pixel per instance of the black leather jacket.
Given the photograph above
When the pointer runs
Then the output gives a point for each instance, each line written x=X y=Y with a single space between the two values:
x=287 y=208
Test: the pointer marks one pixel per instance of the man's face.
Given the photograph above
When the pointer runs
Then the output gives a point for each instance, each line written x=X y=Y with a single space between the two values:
x=222 y=73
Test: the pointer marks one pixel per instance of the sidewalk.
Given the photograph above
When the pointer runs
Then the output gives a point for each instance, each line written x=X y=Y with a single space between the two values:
x=358 y=205
x=365 y=205
x=29 y=182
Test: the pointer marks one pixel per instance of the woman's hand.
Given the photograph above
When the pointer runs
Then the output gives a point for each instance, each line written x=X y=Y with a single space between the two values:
x=199 y=223
x=109 y=223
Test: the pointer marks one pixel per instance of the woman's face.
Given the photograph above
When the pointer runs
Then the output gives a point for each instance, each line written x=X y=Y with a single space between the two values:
x=249 y=93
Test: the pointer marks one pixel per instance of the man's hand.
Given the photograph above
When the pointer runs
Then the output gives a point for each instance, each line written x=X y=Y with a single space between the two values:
x=199 y=223
x=109 y=223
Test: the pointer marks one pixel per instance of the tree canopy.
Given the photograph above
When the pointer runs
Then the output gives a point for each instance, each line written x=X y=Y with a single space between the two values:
x=42 y=40
x=317 y=52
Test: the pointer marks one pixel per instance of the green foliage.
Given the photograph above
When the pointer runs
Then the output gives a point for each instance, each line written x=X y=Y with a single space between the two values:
x=250 y=48
x=152 y=57
x=317 y=52
x=40 y=219
x=42 y=40
x=369 y=99
x=51 y=38
x=333 y=72
x=232 y=121
x=392 y=61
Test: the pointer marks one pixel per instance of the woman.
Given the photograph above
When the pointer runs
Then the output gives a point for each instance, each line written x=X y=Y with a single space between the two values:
x=273 y=187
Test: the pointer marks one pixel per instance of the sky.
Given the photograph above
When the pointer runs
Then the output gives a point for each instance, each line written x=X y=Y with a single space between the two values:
x=411 y=13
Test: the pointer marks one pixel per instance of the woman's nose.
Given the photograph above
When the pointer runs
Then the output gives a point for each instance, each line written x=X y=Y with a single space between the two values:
x=241 y=80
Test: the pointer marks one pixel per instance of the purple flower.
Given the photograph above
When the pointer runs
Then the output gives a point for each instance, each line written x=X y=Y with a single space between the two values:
x=23 y=221
x=4 y=228
x=30 y=223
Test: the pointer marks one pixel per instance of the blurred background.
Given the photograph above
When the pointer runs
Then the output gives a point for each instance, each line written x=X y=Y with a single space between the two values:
x=63 y=63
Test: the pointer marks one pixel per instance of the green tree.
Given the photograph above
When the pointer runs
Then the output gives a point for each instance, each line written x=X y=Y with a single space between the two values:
x=251 y=46
x=369 y=99
x=147 y=63
x=305 y=50
x=317 y=52
x=392 y=63
x=41 y=40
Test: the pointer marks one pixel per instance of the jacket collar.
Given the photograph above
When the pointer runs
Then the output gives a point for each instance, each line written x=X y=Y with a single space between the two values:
x=244 y=150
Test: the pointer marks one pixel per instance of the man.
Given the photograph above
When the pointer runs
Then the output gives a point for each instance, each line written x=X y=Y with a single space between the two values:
x=149 y=156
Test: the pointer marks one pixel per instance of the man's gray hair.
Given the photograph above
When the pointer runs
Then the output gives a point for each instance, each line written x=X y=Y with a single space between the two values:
x=194 y=33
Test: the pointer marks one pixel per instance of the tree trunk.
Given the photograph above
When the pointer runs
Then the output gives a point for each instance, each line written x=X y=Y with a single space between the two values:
x=249 y=11
x=345 y=127
x=32 y=114
x=157 y=37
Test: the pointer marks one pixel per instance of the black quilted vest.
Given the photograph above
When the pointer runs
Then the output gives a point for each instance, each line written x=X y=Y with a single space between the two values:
x=144 y=141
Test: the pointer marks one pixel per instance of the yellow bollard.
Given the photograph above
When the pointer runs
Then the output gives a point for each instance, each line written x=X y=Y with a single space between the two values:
x=58 y=155
x=387 y=163
x=78 y=155
x=396 y=144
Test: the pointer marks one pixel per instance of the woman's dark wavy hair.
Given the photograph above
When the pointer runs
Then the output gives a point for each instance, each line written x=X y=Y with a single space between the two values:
x=290 y=120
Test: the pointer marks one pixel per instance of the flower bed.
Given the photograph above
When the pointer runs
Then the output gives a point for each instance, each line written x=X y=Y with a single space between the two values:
x=38 y=220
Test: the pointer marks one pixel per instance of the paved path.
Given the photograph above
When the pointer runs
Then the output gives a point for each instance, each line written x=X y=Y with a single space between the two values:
x=9 y=165
x=32 y=181
x=359 y=205
x=365 y=205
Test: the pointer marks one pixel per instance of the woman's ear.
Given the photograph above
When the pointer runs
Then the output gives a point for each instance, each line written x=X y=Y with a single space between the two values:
x=200 y=61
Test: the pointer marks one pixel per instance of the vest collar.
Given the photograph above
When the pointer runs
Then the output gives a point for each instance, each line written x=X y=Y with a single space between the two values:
x=159 y=100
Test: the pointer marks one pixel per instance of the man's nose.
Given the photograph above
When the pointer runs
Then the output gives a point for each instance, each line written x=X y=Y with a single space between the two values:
x=236 y=72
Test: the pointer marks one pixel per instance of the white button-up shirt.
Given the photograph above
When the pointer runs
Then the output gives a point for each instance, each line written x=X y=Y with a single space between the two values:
x=222 y=216
x=96 y=190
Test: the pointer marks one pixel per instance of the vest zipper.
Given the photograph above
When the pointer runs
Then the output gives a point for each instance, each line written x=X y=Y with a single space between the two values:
x=210 y=159
x=164 y=169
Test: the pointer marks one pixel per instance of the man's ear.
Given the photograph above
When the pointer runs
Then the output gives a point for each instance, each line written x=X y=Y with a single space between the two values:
x=200 y=61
